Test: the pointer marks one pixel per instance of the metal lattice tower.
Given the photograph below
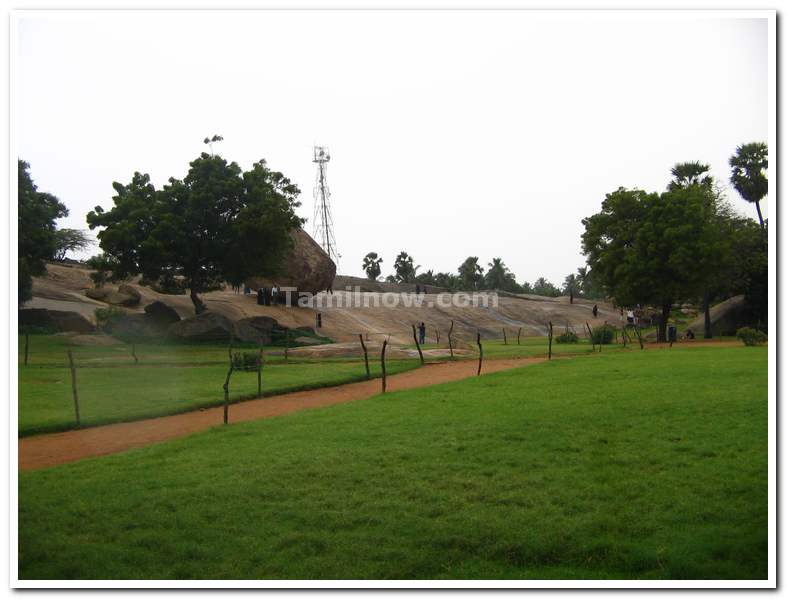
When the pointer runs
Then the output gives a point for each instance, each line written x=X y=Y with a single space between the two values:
x=323 y=221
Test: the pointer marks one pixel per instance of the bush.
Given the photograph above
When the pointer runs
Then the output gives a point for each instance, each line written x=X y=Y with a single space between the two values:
x=104 y=315
x=245 y=361
x=603 y=335
x=567 y=337
x=751 y=336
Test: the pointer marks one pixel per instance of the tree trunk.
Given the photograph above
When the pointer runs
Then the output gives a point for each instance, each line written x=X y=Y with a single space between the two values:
x=662 y=330
x=199 y=305
x=706 y=308
x=759 y=215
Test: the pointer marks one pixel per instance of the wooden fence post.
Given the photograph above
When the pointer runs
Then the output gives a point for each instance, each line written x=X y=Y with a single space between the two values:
x=590 y=334
x=480 y=353
x=518 y=335
x=382 y=362
x=623 y=334
x=227 y=395
x=418 y=346
x=27 y=346
x=505 y=339
x=365 y=356
x=74 y=386
x=259 y=372
x=437 y=335
x=134 y=353
x=450 y=345
x=550 y=341
x=639 y=337
x=287 y=346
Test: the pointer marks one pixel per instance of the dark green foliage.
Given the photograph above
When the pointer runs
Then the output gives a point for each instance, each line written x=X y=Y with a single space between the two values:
x=38 y=212
x=217 y=224
x=471 y=274
x=103 y=266
x=499 y=277
x=543 y=287
x=70 y=240
x=567 y=337
x=603 y=335
x=371 y=265
x=751 y=336
x=405 y=271
x=749 y=164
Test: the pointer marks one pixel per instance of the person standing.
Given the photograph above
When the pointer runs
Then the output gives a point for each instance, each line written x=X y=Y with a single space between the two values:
x=261 y=296
x=421 y=333
x=595 y=310
x=319 y=320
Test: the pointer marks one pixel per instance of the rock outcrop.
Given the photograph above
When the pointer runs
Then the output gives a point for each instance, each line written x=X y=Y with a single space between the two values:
x=257 y=329
x=208 y=326
x=55 y=320
x=161 y=313
x=307 y=267
x=124 y=296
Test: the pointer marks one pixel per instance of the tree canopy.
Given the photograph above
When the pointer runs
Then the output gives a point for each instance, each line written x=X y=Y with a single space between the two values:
x=405 y=271
x=38 y=212
x=371 y=265
x=70 y=240
x=471 y=274
x=217 y=224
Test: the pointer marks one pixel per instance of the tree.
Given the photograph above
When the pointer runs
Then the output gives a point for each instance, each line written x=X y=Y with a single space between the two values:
x=102 y=266
x=426 y=278
x=749 y=164
x=499 y=277
x=38 y=212
x=685 y=174
x=405 y=271
x=571 y=286
x=446 y=280
x=643 y=247
x=543 y=287
x=471 y=274
x=371 y=265
x=217 y=224
x=70 y=240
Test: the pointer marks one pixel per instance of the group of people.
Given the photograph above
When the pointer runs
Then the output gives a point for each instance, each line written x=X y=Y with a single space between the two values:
x=419 y=289
x=273 y=296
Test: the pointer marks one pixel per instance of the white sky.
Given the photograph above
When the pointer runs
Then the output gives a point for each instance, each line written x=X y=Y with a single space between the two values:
x=452 y=133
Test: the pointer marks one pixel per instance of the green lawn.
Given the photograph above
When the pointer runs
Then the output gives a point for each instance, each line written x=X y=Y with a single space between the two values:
x=623 y=465
x=529 y=347
x=120 y=393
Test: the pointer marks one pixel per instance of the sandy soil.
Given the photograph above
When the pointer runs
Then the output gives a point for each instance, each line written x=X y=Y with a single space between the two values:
x=50 y=450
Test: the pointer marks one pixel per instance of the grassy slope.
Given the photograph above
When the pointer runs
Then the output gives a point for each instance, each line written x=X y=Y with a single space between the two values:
x=639 y=464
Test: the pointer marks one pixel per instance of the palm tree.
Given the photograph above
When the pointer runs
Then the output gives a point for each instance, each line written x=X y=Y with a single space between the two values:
x=686 y=174
x=498 y=276
x=748 y=173
x=471 y=273
x=371 y=265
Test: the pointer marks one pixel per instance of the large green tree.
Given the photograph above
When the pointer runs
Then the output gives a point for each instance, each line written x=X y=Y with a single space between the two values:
x=471 y=274
x=643 y=247
x=499 y=277
x=217 y=224
x=405 y=271
x=371 y=265
x=37 y=243
x=748 y=175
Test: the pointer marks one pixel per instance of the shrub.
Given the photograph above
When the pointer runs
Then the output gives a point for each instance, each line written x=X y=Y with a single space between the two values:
x=567 y=337
x=104 y=315
x=245 y=361
x=751 y=336
x=603 y=335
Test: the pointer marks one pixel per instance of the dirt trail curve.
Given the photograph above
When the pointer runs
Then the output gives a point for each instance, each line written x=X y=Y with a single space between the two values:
x=42 y=451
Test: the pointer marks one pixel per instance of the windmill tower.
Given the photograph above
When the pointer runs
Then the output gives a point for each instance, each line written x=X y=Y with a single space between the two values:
x=323 y=221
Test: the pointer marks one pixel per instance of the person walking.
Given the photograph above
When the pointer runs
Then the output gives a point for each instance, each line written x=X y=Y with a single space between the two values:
x=595 y=310
x=421 y=333
x=275 y=294
x=261 y=296
x=319 y=320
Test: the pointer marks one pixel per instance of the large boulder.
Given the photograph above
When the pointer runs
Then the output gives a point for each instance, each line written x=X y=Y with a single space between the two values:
x=307 y=267
x=134 y=326
x=257 y=329
x=161 y=313
x=55 y=320
x=208 y=326
x=124 y=296
x=726 y=317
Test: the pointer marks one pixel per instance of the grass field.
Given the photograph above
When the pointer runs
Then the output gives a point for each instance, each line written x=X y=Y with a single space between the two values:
x=112 y=389
x=623 y=465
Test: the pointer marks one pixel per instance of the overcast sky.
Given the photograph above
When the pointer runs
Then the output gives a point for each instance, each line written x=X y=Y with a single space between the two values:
x=452 y=133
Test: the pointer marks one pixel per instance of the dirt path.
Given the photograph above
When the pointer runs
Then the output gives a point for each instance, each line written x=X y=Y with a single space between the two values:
x=42 y=451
